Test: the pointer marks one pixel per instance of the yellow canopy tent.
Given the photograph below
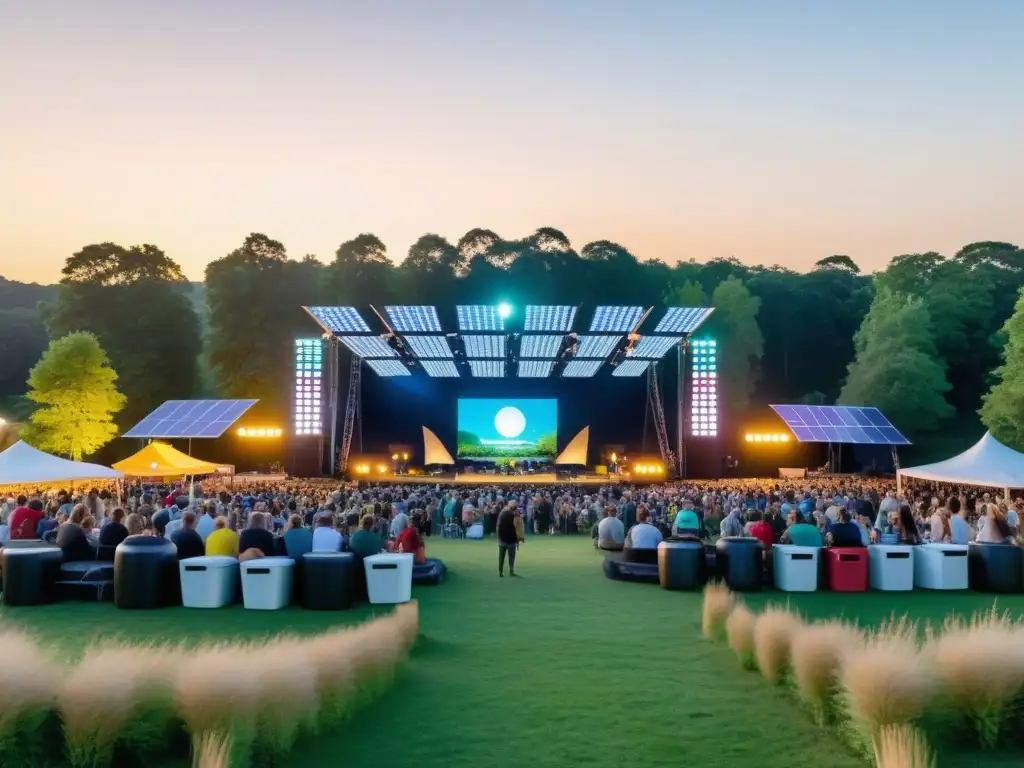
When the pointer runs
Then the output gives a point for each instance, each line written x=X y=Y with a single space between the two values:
x=162 y=460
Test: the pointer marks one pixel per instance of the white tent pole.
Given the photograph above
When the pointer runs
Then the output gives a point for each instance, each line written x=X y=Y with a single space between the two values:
x=899 y=484
x=1006 y=495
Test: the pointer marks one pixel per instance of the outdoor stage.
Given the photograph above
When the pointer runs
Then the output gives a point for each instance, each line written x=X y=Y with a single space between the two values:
x=477 y=479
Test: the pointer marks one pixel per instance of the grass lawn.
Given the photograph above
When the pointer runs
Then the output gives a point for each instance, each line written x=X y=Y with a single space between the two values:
x=559 y=667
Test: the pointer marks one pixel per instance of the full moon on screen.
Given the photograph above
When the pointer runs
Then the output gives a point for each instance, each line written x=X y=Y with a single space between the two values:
x=509 y=422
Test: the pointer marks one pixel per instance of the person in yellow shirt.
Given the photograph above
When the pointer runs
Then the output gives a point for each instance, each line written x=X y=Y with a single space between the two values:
x=222 y=541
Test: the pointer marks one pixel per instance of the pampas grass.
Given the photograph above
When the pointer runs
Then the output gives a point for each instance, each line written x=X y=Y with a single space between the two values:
x=816 y=652
x=773 y=631
x=900 y=746
x=288 y=696
x=739 y=631
x=886 y=680
x=29 y=682
x=718 y=602
x=212 y=750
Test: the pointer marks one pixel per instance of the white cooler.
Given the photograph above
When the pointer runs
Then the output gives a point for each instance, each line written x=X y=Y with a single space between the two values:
x=891 y=567
x=267 y=583
x=389 y=577
x=796 y=568
x=208 y=582
x=940 y=566
x=475 y=531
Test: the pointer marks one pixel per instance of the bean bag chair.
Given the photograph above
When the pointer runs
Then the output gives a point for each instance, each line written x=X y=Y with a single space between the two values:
x=429 y=573
x=620 y=570
x=995 y=567
x=634 y=555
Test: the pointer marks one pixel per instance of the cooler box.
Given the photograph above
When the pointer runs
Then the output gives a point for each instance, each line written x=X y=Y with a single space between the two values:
x=208 y=582
x=267 y=583
x=796 y=568
x=847 y=569
x=940 y=566
x=891 y=567
x=389 y=577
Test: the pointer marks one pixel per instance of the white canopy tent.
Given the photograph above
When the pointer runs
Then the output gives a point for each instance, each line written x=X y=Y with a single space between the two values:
x=987 y=463
x=22 y=464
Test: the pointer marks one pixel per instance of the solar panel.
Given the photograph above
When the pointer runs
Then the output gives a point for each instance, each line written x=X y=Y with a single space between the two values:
x=479 y=317
x=540 y=346
x=487 y=369
x=655 y=347
x=596 y=346
x=615 y=319
x=683 y=319
x=368 y=346
x=535 y=369
x=429 y=347
x=339 y=319
x=581 y=369
x=839 y=424
x=440 y=369
x=191 y=418
x=414 y=319
x=388 y=368
x=484 y=346
x=549 y=317
x=631 y=368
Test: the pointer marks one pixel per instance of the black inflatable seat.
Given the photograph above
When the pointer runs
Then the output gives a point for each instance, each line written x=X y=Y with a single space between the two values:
x=328 y=581
x=429 y=573
x=620 y=570
x=90 y=581
x=682 y=564
x=740 y=563
x=30 y=574
x=995 y=567
x=633 y=555
x=146 y=573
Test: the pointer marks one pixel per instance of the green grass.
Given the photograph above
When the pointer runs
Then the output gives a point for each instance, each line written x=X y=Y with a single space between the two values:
x=559 y=667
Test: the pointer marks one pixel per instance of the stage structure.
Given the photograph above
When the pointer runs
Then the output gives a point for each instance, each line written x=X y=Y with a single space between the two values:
x=495 y=341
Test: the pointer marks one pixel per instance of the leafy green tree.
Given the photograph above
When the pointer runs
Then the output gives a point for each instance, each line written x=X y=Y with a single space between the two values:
x=1002 y=410
x=689 y=294
x=75 y=390
x=896 y=368
x=361 y=272
x=255 y=295
x=138 y=304
x=838 y=261
x=734 y=325
x=22 y=340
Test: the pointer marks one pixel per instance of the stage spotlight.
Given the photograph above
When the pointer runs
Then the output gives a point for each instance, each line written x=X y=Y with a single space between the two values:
x=504 y=310
x=382 y=468
x=749 y=438
x=394 y=457
x=758 y=438
x=784 y=438
x=405 y=457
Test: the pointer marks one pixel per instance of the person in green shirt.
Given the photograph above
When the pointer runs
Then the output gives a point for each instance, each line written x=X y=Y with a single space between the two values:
x=799 y=533
x=686 y=521
x=365 y=541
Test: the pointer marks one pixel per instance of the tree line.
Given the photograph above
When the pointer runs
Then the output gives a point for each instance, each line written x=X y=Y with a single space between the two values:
x=922 y=339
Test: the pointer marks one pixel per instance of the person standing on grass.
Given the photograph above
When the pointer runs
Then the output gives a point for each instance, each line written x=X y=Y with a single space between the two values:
x=508 y=540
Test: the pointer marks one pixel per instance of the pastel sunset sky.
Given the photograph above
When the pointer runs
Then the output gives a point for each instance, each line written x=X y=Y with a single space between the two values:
x=777 y=131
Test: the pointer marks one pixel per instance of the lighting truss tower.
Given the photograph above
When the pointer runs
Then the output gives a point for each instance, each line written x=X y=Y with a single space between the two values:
x=658 y=413
x=352 y=408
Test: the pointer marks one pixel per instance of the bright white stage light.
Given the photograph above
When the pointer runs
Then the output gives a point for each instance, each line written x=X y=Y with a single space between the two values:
x=510 y=422
x=655 y=347
x=388 y=368
x=368 y=346
x=615 y=319
x=339 y=319
x=544 y=317
x=309 y=361
x=682 y=319
x=540 y=347
x=414 y=319
x=504 y=310
x=704 y=402
x=594 y=347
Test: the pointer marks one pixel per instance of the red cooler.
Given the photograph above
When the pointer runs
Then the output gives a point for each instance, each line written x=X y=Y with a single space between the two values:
x=847 y=569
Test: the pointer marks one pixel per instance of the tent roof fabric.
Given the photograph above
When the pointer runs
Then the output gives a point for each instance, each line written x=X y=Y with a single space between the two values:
x=23 y=464
x=163 y=460
x=988 y=462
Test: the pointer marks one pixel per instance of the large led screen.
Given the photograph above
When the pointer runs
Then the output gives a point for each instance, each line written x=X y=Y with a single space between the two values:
x=507 y=429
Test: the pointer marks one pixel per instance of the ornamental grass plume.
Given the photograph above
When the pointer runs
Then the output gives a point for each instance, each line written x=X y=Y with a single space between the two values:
x=29 y=681
x=885 y=680
x=816 y=652
x=739 y=631
x=718 y=602
x=901 y=746
x=212 y=750
x=980 y=668
x=288 y=699
x=111 y=690
x=773 y=633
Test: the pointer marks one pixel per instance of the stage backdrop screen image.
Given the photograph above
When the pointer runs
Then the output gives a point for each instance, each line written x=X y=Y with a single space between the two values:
x=507 y=429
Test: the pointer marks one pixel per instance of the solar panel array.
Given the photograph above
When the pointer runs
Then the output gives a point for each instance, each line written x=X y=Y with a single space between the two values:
x=368 y=346
x=839 y=424
x=489 y=346
x=479 y=317
x=615 y=319
x=535 y=369
x=339 y=319
x=596 y=347
x=540 y=347
x=631 y=367
x=581 y=369
x=487 y=369
x=388 y=368
x=440 y=369
x=429 y=347
x=414 y=319
x=655 y=347
x=549 y=318
x=682 y=319
x=190 y=418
